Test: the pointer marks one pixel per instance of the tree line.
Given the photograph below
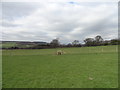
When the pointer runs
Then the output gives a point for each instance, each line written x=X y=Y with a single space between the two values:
x=96 y=41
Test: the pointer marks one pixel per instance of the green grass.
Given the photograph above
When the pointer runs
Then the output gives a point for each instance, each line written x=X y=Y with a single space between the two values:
x=43 y=69
x=13 y=44
x=7 y=44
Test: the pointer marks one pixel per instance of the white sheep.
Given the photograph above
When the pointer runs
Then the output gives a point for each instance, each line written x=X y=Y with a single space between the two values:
x=59 y=52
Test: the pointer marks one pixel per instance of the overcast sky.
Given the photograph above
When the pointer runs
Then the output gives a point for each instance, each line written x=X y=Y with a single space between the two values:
x=66 y=20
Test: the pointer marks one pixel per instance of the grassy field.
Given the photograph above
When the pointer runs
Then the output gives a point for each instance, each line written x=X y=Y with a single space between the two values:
x=8 y=44
x=13 y=44
x=86 y=67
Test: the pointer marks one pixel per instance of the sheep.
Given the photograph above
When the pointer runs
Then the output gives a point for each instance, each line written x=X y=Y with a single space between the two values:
x=59 y=52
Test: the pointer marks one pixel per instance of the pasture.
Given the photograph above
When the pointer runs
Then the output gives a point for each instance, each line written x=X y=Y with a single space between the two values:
x=85 y=67
x=7 y=44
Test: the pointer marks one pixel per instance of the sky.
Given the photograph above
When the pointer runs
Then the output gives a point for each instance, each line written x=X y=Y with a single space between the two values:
x=67 y=20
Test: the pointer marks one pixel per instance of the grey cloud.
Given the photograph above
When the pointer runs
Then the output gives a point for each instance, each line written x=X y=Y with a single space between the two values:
x=102 y=27
x=8 y=24
x=46 y=22
x=13 y=10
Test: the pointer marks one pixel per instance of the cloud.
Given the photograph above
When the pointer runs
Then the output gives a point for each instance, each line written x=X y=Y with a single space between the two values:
x=60 y=0
x=65 y=20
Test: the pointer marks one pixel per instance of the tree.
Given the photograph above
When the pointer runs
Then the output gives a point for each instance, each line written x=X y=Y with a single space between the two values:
x=69 y=45
x=55 y=42
x=98 y=40
x=114 y=41
x=89 y=41
x=75 y=42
